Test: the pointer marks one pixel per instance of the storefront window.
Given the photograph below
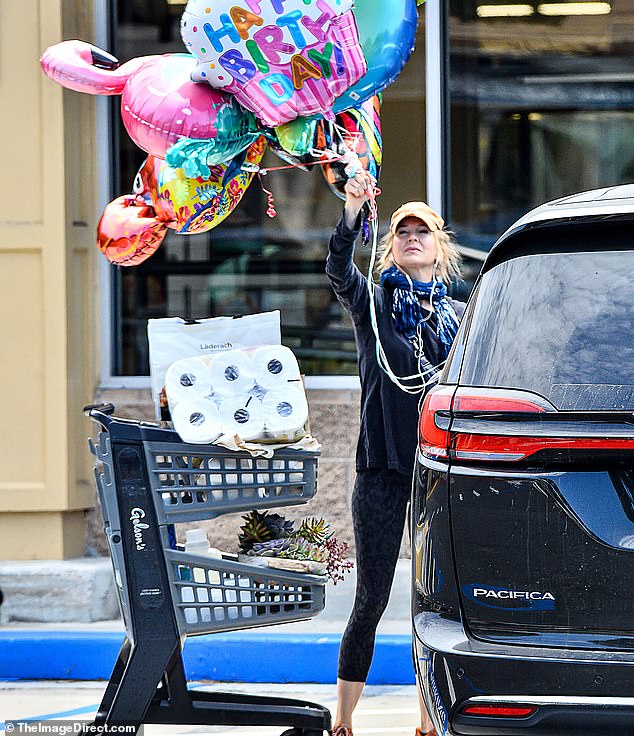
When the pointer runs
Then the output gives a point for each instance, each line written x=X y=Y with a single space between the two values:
x=541 y=106
x=251 y=263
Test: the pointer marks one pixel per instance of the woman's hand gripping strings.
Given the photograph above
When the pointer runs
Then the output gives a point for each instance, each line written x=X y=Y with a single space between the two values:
x=359 y=189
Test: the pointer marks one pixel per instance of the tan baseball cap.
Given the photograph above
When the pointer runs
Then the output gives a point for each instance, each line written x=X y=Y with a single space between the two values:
x=417 y=209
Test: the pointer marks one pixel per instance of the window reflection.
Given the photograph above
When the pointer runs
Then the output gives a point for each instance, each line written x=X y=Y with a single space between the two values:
x=573 y=312
x=542 y=105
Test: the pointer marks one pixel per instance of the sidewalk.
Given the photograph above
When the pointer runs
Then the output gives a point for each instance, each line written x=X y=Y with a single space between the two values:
x=304 y=651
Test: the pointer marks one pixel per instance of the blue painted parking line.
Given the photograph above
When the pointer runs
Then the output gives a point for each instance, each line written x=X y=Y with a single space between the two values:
x=234 y=657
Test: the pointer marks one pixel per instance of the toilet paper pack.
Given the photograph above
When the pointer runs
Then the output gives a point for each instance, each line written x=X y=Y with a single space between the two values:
x=173 y=338
x=251 y=394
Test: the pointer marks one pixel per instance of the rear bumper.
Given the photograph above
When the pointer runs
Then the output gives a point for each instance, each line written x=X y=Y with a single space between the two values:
x=576 y=691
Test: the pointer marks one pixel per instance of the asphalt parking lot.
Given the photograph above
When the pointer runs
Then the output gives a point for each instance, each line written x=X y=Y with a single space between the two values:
x=383 y=710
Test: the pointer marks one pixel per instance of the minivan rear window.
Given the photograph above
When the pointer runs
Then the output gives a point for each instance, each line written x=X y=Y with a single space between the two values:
x=559 y=324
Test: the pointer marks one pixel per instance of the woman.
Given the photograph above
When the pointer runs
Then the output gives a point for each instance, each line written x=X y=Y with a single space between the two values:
x=415 y=258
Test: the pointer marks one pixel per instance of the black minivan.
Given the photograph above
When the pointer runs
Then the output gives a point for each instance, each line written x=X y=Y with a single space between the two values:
x=523 y=501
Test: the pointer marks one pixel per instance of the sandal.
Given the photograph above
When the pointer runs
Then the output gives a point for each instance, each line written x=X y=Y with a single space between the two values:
x=341 y=730
x=420 y=732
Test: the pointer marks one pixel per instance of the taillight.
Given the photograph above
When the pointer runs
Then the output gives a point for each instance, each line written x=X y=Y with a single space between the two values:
x=496 y=400
x=489 y=447
x=434 y=439
x=493 y=425
x=499 y=711
x=497 y=425
x=493 y=448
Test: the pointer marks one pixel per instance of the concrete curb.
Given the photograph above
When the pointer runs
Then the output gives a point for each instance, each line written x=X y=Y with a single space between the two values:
x=43 y=591
x=236 y=657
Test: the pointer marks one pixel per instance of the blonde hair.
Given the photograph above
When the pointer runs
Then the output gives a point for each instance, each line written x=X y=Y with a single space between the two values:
x=449 y=257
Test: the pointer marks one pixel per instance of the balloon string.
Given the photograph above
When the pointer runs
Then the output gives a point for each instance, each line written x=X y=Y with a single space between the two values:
x=266 y=170
x=345 y=134
x=349 y=138
x=270 y=210
x=374 y=210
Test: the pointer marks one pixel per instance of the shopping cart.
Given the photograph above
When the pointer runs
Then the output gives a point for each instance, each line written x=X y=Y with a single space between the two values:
x=147 y=481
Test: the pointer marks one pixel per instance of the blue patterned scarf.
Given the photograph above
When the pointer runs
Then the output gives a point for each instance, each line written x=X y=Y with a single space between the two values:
x=408 y=313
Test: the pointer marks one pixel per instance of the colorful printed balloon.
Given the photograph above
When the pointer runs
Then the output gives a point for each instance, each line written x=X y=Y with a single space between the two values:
x=129 y=232
x=358 y=130
x=133 y=227
x=280 y=58
x=195 y=205
x=387 y=32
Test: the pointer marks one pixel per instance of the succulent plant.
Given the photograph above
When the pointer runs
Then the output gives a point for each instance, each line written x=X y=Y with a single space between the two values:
x=271 y=535
x=254 y=530
x=316 y=531
x=279 y=527
x=302 y=549
x=272 y=548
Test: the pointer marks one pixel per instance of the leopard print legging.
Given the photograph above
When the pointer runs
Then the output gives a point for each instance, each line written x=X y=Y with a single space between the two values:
x=379 y=509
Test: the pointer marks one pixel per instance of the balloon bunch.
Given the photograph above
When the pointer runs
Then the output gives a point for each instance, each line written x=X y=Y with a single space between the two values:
x=301 y=76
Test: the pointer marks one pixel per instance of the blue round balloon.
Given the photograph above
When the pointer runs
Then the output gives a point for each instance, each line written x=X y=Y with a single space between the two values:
x=387 y=31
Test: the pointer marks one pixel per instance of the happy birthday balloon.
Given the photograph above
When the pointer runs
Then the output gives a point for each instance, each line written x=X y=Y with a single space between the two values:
x=280 y=58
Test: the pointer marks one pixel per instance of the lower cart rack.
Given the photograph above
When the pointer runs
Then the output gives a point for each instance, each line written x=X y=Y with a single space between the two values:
x=147 y=480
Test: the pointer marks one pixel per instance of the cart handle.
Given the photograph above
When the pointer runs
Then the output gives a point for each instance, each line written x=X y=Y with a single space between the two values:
x=100 y=413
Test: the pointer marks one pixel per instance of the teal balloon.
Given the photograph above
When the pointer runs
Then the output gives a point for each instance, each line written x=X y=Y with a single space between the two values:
x=293 y=142
x=196 y=156
x=237 y=130
x=298 y=136
x=387 y=32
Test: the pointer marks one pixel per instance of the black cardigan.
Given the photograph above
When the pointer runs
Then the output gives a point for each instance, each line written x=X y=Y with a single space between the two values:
x=389 y=416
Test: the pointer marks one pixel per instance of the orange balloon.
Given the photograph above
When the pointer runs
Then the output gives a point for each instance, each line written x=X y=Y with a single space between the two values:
x=129 y=232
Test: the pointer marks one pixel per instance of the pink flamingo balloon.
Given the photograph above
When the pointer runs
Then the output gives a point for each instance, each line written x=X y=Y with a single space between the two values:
x=160 y=105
